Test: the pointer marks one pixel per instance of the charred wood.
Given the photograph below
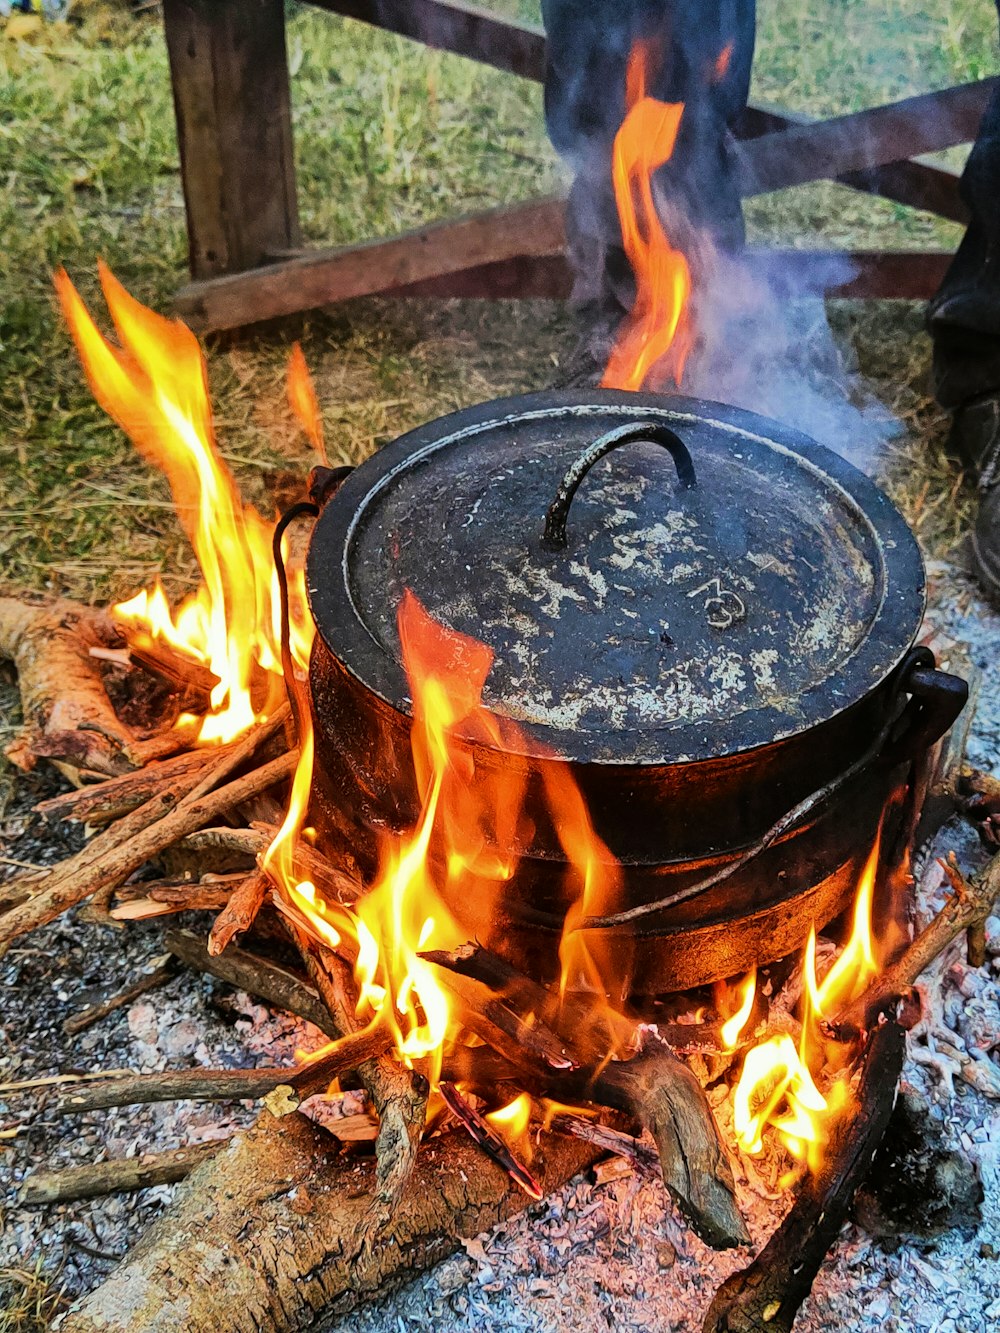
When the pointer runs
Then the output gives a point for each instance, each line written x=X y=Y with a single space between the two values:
x=765 y=1296
x=266 y=980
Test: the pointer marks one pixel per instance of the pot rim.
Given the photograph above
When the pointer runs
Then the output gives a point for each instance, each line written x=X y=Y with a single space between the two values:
x=342 y=630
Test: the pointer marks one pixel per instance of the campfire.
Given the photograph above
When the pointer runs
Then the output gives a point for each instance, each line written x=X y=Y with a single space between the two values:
x=553 y=797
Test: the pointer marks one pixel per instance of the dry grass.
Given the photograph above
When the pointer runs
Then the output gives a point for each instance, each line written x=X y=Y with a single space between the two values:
x=29 y=1300
x=388 y=135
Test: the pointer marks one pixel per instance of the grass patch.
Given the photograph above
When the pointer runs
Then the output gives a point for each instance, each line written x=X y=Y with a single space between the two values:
x=29 y=1300
x=388 y=135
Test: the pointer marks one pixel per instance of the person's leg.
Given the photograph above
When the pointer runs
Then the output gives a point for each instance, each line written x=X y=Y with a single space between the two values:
x=964 y=320
x=699 y=53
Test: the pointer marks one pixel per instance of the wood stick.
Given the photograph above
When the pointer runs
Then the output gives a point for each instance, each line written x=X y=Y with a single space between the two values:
x=239 y=913
x=765 y=1296
x=101 y=802
x=93 y=1013
x=169 y=901
x=278 y=1224
x=115 y=1176
x=269 y=982
x=607 y=1138
x=122 y=860
x=969 y=905
x=398 y=1095
x=222 y=1085
x=482 y=1008
x=185 y=674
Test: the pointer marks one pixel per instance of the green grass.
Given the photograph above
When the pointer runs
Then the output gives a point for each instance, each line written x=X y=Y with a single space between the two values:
x=388 y=135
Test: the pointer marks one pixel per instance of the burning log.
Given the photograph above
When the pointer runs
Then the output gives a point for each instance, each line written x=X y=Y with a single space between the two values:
x=68 y=716
x=121 y=854
x=398 y=1095
x=274 y=985
x=765 y=1296
x=188 y=677
x=221 y=1085
x=308 y=1249
x=116 y=1176
x=968 y=907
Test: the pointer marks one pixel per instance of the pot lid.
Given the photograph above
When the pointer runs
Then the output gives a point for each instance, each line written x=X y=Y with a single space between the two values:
x=698 y=582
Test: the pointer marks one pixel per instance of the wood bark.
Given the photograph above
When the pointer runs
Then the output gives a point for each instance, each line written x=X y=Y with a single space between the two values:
x=273 y=1232
x=68 y=716
x=268 y=981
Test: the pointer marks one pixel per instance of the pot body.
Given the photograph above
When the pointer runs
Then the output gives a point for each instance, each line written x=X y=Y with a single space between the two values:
x=760 y=620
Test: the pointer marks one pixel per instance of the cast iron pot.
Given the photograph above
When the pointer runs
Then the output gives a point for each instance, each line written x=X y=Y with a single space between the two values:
x=709 y=617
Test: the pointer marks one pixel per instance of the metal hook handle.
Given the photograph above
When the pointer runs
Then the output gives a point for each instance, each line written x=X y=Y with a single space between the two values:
x=646 y=432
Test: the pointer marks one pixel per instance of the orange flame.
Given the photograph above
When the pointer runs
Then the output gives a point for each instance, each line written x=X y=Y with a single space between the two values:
x=302 y=400
x=777 y=1084
x=658 y=325
x=155 y=385
x=720 y=68
x=734 y=1025
x=512 y=1123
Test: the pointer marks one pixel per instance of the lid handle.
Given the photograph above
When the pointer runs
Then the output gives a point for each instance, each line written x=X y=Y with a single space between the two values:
x=646 y=432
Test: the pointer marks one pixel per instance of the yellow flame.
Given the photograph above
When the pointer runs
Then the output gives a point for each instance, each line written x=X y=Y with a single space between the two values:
x=658 y=325
x=776 y=1086
x=511 y=1122
x=733 y=1026
x=154 y=383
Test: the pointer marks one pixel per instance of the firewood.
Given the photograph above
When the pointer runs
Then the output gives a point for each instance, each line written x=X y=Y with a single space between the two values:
x=115 y=1176
x=482 y=1132
x=969 y=906
x=68 y=716
x=222 y=1085
x=238 y=915
x=169 y=900
x=607 y=1138
x=67 y=888
x=275 y=1232
x=765 y=1296
x=485 y=1013
x=398 y=1095
x=101 y=802
x=185 y=674
x=275 y=985
x=93 y=1013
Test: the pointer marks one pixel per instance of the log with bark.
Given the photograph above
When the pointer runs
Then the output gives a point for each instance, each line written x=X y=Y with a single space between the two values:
x=115 y=1176
x=309 y=1251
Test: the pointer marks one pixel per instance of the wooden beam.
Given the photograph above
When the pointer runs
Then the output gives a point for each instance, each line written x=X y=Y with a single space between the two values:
x=326 y=276
x=916 y=184
x=911 y=275
x=229 y=72
x=867 y=139
x=466 y=30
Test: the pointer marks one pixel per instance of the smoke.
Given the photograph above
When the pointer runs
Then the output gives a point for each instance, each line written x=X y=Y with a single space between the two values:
x=763 y=343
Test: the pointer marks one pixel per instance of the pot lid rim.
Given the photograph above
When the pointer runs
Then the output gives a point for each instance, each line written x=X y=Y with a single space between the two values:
x=342 y=629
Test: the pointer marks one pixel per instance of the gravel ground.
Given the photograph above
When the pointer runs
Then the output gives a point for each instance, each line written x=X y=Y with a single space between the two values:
x=614 y=1255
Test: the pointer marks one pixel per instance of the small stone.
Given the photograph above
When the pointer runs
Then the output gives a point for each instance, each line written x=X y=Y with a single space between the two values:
x=987 y=1251
x=666 y=1255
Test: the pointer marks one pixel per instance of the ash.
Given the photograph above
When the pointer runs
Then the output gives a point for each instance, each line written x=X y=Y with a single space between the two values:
x=613 y=1255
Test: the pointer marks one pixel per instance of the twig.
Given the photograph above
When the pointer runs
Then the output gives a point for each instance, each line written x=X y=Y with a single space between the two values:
x=101 y=802
x=115 y=1176
x=239 y=912
x=765 y=1296
x=604 y=1136
x=67 y=888
x=398 y=1095
x=969 y=905
x=482 y=1132
x=275 y=985
x=222 y=1085
x=147 y=982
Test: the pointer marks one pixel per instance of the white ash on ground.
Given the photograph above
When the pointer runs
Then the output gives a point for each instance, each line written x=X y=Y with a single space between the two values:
x=614 y=1255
